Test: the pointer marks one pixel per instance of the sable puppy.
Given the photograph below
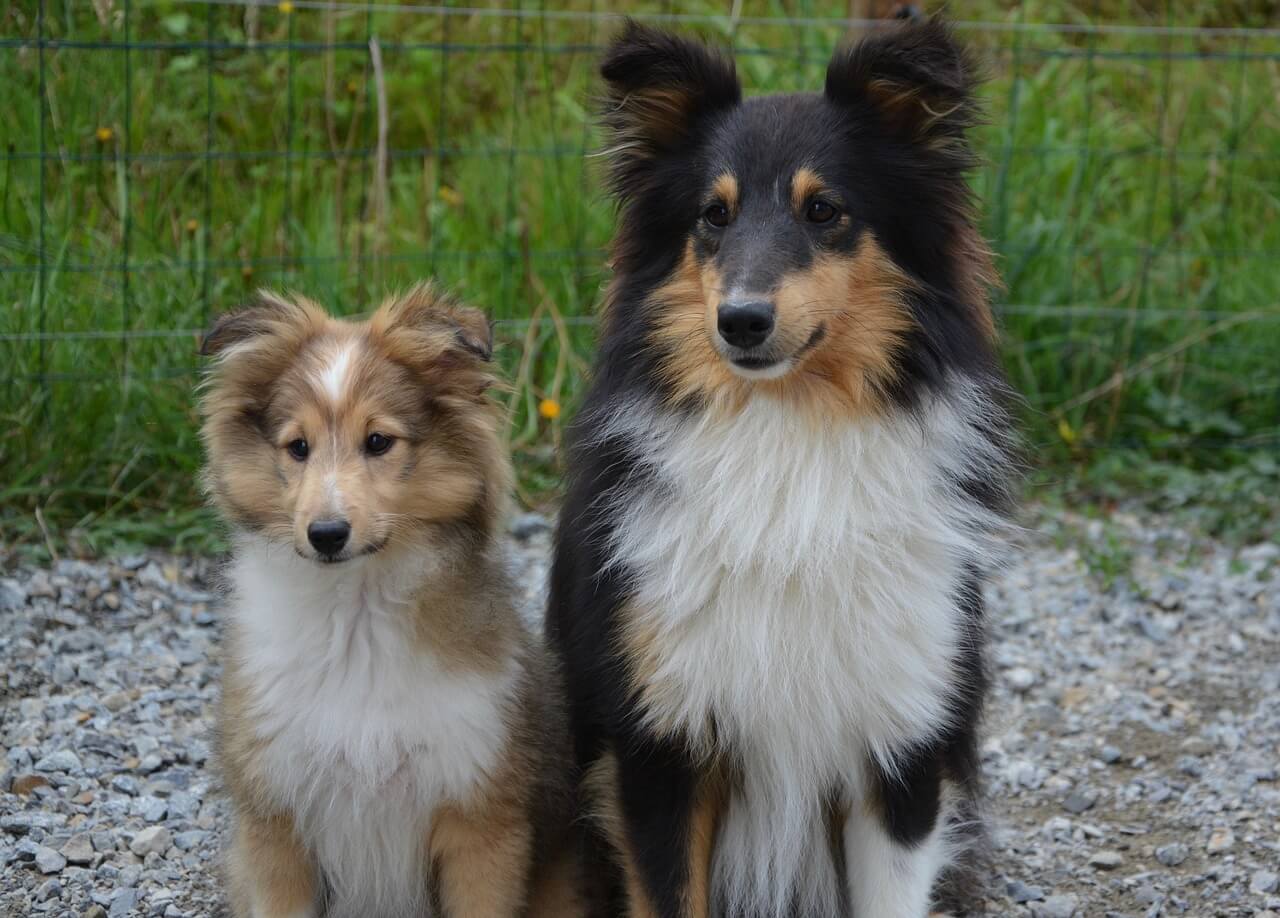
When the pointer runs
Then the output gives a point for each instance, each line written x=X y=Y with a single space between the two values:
x=391 y=733
x=790 y=473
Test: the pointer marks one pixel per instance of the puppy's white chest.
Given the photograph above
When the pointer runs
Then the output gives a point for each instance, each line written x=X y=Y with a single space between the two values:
x=365 y=733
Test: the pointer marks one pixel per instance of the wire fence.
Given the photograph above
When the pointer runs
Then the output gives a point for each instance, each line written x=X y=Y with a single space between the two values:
x=160 y=160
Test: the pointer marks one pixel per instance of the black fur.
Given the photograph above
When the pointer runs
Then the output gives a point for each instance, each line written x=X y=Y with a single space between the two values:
x=889 y=131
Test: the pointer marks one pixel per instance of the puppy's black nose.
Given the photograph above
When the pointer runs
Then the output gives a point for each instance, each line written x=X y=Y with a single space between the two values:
x=328 y=536
x=745 y=325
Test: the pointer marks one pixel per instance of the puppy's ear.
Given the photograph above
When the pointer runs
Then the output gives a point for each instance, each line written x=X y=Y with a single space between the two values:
x=267 y=316
x=659 y=87
x=915 y=76
x=450 y=342
x=440 y=324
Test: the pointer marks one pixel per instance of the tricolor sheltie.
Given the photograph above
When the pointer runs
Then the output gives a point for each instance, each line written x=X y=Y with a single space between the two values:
x=391 y=733
x=789 y=475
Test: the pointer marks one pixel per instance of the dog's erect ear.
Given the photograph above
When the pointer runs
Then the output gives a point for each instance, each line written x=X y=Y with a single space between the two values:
x=267 y=314
x=438 y=324
x=915 y=75
x=659 y=86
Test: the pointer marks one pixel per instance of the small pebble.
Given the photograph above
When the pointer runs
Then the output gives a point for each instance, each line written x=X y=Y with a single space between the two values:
x=1106 y=860
x=49 y=861
x=1172 y=855
x=1221 y=840
x=1078 y=802
x=1057 y=906
x=1264 y=882
x=151 y=840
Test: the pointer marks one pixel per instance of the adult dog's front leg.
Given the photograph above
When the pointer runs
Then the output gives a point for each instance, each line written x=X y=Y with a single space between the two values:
x=660 y=815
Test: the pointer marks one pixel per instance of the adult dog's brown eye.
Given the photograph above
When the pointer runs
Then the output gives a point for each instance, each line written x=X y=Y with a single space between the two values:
x=717 y=215
x=819 y=211
x=376 y=444
x=299 y=449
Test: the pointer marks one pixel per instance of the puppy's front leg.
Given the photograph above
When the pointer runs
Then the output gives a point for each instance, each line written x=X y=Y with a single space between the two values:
x=482 y=858
x=270 y=872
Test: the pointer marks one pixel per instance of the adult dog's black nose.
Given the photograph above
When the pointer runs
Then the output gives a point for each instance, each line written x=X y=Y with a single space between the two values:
x=328 y=536
x=745 y=325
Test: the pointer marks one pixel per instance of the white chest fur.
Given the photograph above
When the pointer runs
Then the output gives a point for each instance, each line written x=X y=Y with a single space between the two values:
x=797 y=589
x=365 y=733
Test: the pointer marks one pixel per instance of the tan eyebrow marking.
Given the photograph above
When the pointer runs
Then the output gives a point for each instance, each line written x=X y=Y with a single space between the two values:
x=725 y=189
x=805 y=184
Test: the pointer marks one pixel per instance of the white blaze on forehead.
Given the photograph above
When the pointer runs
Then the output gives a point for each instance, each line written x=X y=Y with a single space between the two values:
x=335 y=372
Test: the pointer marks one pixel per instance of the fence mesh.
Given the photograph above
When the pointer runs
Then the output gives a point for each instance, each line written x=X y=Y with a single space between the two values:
x=162 y=159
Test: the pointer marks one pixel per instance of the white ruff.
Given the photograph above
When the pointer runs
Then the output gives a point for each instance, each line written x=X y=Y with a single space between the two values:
x=365 y=732
x=801 y=584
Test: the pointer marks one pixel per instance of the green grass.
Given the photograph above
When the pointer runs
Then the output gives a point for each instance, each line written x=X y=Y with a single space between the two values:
x=1132 y=191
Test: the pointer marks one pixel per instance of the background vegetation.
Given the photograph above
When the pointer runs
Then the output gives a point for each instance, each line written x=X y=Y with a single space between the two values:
x=159 y=160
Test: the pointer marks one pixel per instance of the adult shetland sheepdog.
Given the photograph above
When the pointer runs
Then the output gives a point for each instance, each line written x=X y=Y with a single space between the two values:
x=391 y=735
x=789 y=475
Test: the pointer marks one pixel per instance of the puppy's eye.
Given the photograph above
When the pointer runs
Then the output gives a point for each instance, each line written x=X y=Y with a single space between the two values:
x=717 y=215
x=819 y=211
x=376 y=444
x=298 y=449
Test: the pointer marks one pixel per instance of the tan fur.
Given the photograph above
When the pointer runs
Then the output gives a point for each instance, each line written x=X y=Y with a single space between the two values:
x=411 y=368
x=707 y=810
x=657 y=113
x=805 y=184
x=600 y=786
x=725 y=190
x=270 y=873
x=416 y=371
x=978 y=274
x=857 y=301
x=600 y=789
x=482 y=857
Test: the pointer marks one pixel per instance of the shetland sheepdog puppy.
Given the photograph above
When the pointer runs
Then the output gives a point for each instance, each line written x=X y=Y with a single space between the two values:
x=391 y=733
x=789 y=476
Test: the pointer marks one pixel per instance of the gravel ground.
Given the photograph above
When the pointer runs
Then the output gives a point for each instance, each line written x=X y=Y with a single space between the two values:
x=1132 y=752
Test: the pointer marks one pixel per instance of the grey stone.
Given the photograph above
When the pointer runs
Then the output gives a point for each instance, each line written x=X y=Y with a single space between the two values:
x=1146 y=894
x=22 y=823
x=12 y=595
x=1172 y=855
x=1106 y=859
x=123 y=901
x=50 y=889
x=1221 y=840
x=1021 y=679
x=62 y=760
x=1080 y=801
x=1020 y=892
x=153 y=839
x=79 y=849
x=49 y=861
x=192 y=838
x=1264 y=882
x=183 y=805
x=152 y=809
x=1058 y=906
x=126 y=784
